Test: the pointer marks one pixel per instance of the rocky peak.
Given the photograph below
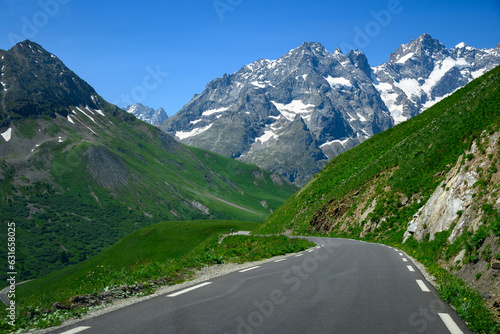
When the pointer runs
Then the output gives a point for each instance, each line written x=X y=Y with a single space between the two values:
x=147 y=114
x=307 y=50
x=423 y=48
x=359 y=60
x=36 y=83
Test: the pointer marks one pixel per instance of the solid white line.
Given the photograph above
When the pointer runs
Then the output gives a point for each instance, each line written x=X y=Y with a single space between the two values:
x=410 y=268
x=311 y=250
x=76 y=330
x=189 y=289
x=280 y=260
x=405 y=260
x=248 y=269
x=299 y=255
x=452 y=326
x=422 y=285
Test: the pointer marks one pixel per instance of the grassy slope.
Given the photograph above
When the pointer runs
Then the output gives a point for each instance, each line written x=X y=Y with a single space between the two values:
x=157 y=243
x=410 y=155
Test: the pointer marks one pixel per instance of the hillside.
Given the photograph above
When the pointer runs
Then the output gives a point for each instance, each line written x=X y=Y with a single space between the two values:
x=432 y=179
x=77 y=173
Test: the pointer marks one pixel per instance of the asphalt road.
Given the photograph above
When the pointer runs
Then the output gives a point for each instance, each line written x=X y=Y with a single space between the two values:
x=342 y=286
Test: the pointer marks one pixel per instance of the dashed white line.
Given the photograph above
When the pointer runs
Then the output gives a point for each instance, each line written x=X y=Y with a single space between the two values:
x=189 y=289
x=405 y=260
x=311 y=250
x=422 y=285
x=299 y=255
x=76 y=330
x=452 y=326
x=280 y=260
x=248 y=269
x=401 y=254
x=410 y=268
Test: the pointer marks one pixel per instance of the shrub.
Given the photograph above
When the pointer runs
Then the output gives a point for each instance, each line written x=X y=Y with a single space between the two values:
x=478 y=238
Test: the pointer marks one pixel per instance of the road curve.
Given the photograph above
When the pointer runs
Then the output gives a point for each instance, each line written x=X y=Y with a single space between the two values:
x=341 y=286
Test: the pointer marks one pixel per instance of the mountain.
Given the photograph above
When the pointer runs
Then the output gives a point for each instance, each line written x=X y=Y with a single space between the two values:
x=428 y=185
x=147 y=114
x=78 y=173
x=292 y=115
x=423 y=72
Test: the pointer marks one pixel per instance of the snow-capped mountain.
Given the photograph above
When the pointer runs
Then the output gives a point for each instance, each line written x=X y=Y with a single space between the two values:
x=293 y=114
x=147 y=114
x=423 y=72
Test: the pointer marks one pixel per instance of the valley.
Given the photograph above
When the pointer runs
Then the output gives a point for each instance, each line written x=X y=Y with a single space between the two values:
x=108 y=206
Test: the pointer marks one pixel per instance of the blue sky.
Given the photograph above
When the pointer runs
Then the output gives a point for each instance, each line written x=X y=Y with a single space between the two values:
x=161 y=53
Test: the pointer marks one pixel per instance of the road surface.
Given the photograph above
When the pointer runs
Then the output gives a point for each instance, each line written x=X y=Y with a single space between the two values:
x=342 y=286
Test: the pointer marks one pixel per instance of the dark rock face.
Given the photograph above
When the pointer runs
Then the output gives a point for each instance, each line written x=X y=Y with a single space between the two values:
x=34 y=82
x=340 y=99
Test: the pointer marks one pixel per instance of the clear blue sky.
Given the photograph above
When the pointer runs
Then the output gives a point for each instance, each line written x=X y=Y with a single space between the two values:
x=114 y=45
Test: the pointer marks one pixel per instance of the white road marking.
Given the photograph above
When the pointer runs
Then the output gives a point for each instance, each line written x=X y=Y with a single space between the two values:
x=422 y=285
x=76 y=330
x=410 y=268
x=401 y=254
x=248 y=269
x=311 y=250
x=405 y=260
x=452 y=326
x=189 y=289
x=280 y=260
x=299 y=255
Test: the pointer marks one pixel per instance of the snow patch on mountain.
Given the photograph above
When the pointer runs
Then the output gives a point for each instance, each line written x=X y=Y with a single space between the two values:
x=183 y=135
x=214 y=111
x=268 y=134
x=83 y=112
x=7 y=135
x=338 y=81
x=404 y=59
x=290 y=110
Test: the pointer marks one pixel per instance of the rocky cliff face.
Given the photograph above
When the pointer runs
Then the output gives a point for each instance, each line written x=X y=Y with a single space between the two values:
x=469 y=186
x=467 y=204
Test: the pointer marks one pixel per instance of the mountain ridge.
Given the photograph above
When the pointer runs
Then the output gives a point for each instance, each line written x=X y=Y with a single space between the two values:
x=341 y=98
